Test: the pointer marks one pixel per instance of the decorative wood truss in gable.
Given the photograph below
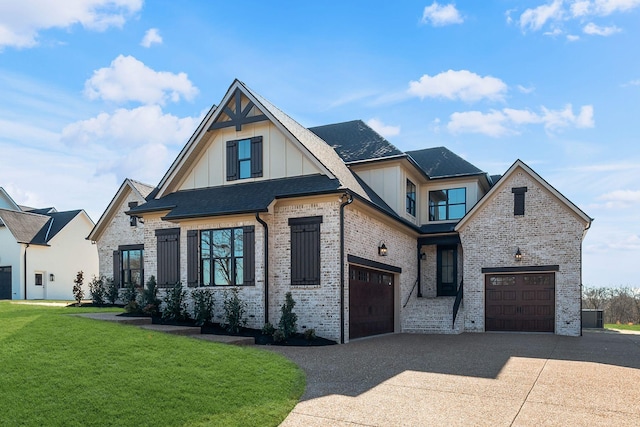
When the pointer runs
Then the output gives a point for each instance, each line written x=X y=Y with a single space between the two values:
x=237 y=115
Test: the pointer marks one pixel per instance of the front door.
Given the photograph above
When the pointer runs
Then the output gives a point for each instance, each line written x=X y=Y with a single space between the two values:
x=5 y=282
x=39 y=291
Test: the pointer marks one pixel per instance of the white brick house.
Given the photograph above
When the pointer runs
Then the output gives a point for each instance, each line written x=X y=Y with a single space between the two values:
x=367 y=238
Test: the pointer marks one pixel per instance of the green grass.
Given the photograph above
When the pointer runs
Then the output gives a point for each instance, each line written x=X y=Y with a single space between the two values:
x=622 y=327
x=65 y=370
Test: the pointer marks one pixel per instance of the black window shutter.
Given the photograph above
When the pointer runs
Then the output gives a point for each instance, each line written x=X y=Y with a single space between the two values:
x=305 y=254
x=256 y=156
x=249 y=255
x=117 y=269
x=232 y=160
x=168 y=257
x=193 y=257
x=518 y=200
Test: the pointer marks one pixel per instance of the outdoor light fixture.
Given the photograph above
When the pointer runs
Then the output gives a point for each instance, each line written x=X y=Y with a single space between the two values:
x=423 y=256
x=382 y=249
x=52 y=277
x=518 y=255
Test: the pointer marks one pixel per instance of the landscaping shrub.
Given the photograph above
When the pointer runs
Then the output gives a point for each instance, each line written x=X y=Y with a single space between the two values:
x=288 y=318
x=175 y=304
x=234 y=311
x=97 y=290
x=149 y=301
x=78 y=293
x=268 y=329
x=112 y=291
x=202 y=306
x=130 y=293
x=310 y=334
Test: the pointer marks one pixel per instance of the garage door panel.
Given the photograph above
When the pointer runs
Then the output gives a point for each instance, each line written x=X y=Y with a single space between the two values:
x=520 y=302
x=371 y=302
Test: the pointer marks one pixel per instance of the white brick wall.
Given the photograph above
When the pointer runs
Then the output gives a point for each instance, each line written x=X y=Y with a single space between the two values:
x=548 y=234
x=119 y=232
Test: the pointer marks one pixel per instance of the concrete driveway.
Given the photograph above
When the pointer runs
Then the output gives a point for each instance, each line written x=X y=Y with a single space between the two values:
x=471 y=379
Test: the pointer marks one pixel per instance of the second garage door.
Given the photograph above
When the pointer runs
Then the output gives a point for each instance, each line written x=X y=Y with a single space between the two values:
x=520 y=302
x=370 y=302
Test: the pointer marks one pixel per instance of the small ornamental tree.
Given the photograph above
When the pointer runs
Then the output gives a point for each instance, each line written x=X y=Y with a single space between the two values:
x=234 y=311
x=149 y=299
x=175 y=305
x=78 y=293
x=288 y=318
x=112 y=291
x=97 y=290
x=202 y=306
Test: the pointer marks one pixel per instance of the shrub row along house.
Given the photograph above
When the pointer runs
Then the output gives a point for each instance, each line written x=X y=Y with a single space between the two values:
x=42 y=250
x=367 y=238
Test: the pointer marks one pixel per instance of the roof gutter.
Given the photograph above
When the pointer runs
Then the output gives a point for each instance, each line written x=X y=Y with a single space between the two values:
x=25 y=270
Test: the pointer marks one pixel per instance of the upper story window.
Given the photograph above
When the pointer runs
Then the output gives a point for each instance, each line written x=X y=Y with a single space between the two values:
x=447 y=204
x=411 y=198
x=518 y=200
x=244 y=158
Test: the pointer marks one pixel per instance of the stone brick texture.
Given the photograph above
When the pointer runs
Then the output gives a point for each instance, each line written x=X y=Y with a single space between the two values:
x=549 y=233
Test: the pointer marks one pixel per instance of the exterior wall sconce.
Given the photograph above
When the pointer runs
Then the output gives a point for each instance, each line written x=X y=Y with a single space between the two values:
x=518 y=255
x=423 y=256
x=52 y=277
x=382 y=249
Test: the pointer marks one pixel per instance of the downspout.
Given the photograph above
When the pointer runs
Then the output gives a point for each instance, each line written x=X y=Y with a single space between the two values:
x=25 y=271
x=266 y=266
x=342 y=206
x=419 y=270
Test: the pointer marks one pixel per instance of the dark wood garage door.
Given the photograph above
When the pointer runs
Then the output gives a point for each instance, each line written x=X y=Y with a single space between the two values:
x=370 y=302
x=5 y=282
x=520 y=302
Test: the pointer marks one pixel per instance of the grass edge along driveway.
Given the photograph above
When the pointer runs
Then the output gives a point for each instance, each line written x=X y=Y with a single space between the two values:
x=66 y=370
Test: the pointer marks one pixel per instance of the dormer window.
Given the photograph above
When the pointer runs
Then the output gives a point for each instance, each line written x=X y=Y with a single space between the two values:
x=447 y=204
x=411 y=198
x=244 y=158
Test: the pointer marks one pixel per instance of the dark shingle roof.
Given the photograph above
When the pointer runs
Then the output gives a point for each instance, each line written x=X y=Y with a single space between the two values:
x=238 y=198
x=37 y=229
x=355 y=141
x=57 y=221
x=439 y=162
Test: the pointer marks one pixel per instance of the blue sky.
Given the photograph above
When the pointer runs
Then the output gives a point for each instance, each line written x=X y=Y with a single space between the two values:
x=95 y=91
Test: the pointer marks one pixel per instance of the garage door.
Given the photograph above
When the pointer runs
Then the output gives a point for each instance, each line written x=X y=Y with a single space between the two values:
x=5 y=282
x=520 y=302
x=370 y=302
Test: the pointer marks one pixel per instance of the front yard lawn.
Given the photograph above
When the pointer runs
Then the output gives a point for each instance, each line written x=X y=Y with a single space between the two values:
x=57 y=369
x=622 y=327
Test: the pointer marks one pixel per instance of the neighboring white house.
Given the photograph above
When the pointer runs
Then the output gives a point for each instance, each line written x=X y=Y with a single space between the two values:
x=42 y=250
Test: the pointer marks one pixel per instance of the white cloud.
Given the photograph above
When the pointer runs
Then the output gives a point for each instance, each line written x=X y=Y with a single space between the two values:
x=128 y=79
x=463 y=85
x=618 y=199
x=593 y=29
x=137 y=143
x=21 y=21
x=508 y=121
x=491 y=124
x=526 y=90
x=534 y=19
x=125 y=128
x=382 y=129
x=559 y=12
x=439 y=16
x=572 y=37
x=150 y=37
x=632 y=83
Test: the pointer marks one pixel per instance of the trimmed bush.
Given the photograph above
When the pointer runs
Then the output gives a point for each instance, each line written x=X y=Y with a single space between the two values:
x=112 y=291
x=175 y=304
x=234 y=311
x=202 y=306
x=288 y=318
x=78 y=293
x=97 y=290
